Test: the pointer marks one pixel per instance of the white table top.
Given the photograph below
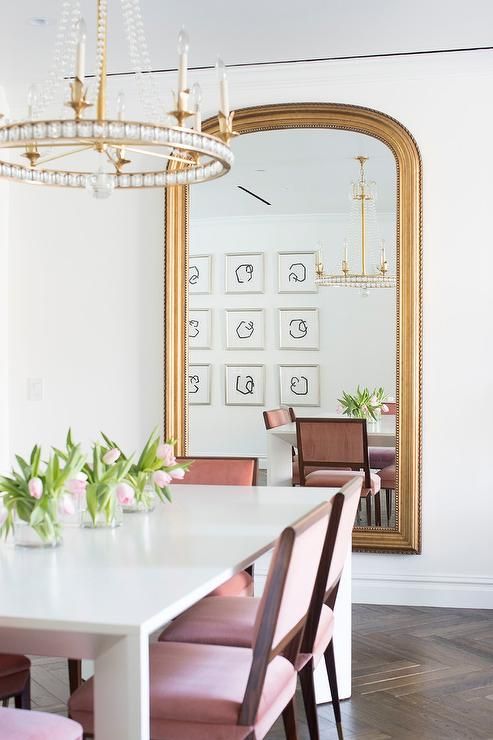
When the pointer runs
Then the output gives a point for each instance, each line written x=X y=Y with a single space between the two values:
x=141 y=575
x=380 y=433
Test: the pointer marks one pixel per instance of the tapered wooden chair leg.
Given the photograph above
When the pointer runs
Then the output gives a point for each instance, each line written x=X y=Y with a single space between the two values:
x=330 y=664
x=289 y=720
x=74 y=674
x=378 y=511
x=388 y=493
x=23 y=700
x=368 y=510
x=309 y=700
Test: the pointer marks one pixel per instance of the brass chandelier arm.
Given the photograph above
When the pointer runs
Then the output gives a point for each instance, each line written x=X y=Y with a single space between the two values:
x=169 y=157
x=64 y=154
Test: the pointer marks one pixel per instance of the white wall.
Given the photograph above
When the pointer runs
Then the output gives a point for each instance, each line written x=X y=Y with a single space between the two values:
x=446 y=102
x=357 y=334
x=85 y=315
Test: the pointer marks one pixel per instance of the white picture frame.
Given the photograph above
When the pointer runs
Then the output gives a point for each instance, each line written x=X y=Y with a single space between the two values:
x=244 y=272
x=244 y=385
x=296 y=272
x=200 y=328
x=245 y=328
x=199 y=384
x=200 y=274
x=299 y=328
x=299 y=385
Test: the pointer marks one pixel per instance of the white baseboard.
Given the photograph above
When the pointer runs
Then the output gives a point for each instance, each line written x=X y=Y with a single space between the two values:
x=467 y=592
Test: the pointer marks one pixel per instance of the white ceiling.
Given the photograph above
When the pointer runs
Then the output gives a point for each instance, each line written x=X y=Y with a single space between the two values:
x=298 y=171
x=254 y=31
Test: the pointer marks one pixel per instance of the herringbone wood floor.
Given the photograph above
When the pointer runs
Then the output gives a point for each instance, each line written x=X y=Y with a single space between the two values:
x=419 y=674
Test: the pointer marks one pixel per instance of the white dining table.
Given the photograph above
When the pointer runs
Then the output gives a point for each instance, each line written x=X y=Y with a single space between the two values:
x=281 y=440
x=102 y=593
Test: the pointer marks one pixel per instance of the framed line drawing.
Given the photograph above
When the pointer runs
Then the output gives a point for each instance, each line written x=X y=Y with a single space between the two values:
x=245 y=328
x=296 y=272
x=199 y=384
x=299 y=385
x=244 y=272
x=245 y=385
x=199 y=328
x=200 y=274
x=298 y=328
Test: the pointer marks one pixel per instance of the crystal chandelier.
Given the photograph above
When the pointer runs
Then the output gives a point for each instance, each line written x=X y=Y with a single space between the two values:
x=363 y=196
x=167 y=149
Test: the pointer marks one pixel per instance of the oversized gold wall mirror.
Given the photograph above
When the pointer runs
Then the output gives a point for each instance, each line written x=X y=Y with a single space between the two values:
x=246 y=326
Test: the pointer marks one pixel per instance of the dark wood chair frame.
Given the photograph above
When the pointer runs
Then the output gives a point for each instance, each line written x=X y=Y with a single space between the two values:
x=75 y=664
x=22 y=700
x=354 y=465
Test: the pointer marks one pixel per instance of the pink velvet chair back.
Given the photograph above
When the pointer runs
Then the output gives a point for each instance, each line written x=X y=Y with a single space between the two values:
x=351 y=492
x=333 y=443
x=220 y=471
x=278 y=417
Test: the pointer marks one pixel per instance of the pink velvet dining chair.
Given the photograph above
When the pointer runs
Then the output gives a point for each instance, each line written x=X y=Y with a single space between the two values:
x=19 y=724
x=338 y=448
x=387 y=478
x=225 y=471
x=278 y=418
x=236 y=693
x=380 y=457
x=15 y=680
x=231 y=622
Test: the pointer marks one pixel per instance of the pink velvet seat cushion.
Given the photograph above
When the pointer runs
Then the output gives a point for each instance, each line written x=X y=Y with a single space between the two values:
x=197 y=691
x=217 y=621
x=14 y=674
x=380 y=457
x=241 y=584
x=387 y=476
x=20 y=724
x=338 y=478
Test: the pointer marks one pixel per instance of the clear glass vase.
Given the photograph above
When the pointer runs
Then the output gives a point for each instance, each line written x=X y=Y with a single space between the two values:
x=107 y=516
x=27 y=536
x=144 y=501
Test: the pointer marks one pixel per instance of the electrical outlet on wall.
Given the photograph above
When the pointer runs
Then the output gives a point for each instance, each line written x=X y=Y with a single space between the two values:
x=35 y=389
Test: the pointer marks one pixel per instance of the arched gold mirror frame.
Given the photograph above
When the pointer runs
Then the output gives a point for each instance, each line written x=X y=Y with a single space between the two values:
x=406 y=537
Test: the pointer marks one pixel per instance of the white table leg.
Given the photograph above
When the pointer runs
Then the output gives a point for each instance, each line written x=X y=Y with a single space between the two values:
x=121 y=690
x=342 y=643
x=279 y=461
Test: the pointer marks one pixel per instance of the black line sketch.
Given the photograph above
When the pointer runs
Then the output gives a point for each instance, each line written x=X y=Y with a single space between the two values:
x=299 y=386
x=193 y=275
x=244 y=273
x=245 y=329
x=193 y=383
x=247 y=385
x=298 y=328
x=297 y=273
x=193 y=330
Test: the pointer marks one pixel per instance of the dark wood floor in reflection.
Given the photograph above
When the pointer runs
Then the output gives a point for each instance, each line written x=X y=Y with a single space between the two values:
x=418 y=674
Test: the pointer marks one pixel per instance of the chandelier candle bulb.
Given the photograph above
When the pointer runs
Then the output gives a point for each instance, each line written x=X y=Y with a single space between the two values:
x=183 y=46
x=80 y=63
x=31 y=101
x=223 y=88
x=120 y=106
x=196 y=100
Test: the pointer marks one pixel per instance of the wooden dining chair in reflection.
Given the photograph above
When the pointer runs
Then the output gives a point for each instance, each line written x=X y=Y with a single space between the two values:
x=15 y=680
x=338 y=449
x=387 y=477
x=226 y=621
x=236 y=693
x=224 y=471
x=278 y=418
x=19 y=724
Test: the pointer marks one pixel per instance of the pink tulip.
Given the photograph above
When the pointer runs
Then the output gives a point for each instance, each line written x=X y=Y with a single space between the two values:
x=81 y=476
x=165 y=452
x=125 y=493
x=177 y=473
x=3 y=515
x=66 y=504
x=161 y=478
x=385 y=408
x=339 y=409
x=35 y=487
x=76 y=487
x=111 y=456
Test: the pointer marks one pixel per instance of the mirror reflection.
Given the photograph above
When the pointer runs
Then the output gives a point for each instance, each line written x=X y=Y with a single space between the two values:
x=292 y=305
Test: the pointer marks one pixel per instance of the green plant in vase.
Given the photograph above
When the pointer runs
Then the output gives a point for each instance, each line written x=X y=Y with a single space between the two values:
x=151 y=475
x=34 y=497
x=105 y=474
x=364 y=404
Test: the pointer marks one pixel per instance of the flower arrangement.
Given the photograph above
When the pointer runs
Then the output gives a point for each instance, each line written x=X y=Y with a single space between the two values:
x=150 y=475
x=35 y=496
x=364 y=404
